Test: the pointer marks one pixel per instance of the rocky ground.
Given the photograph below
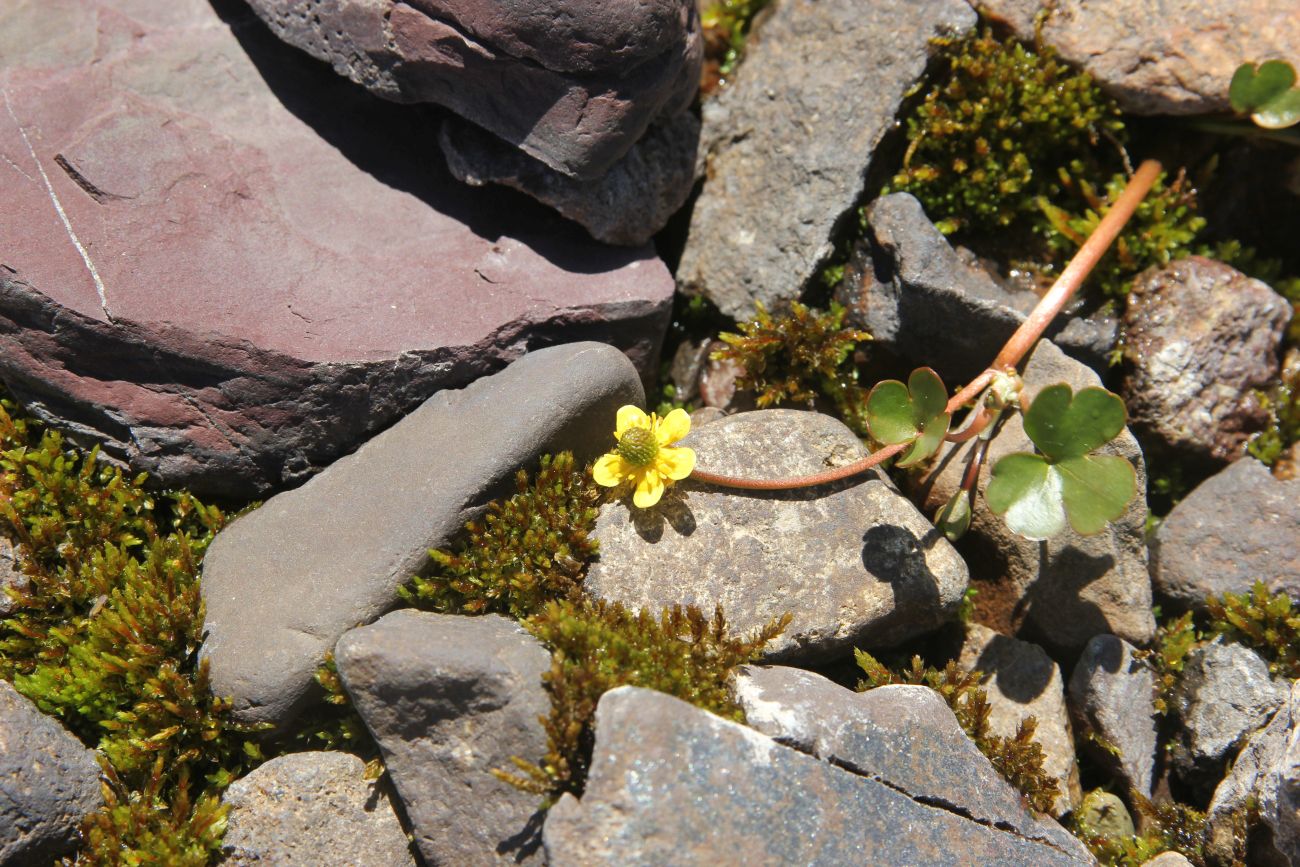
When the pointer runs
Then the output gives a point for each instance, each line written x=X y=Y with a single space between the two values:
x=362 y=262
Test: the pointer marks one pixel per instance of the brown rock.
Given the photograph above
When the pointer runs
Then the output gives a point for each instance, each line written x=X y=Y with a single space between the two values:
x=230 y=266
x=1160 y=58
x=1200 y=336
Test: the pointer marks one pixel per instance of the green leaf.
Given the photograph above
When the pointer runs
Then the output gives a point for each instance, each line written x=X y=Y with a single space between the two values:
x=914 y=413
x=1066 y=427
x=1279 y=113
x=1039 y=494
x=1254 y=87
x=953 y=519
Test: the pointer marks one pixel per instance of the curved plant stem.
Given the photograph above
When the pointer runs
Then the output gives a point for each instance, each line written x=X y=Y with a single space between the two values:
x=983 y=416
x=1012 y=353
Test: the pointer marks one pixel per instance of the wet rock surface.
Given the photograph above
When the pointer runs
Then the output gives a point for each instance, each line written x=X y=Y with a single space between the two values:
x=449 y=699
x=283 y=582
x=48 y=782
x=754 y=802
x=331 y=275
x=1071 y=587
x=854 y=561
x=570 y=88
x=1020 y=681
x=788 y=143
x=1234 y=529
x=1200 y=337
x=314 y=810
x=1181 y=66
x=1110 y=696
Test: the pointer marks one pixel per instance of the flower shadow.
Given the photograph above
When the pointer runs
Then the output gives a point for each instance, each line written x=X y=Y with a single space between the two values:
x=672 y=510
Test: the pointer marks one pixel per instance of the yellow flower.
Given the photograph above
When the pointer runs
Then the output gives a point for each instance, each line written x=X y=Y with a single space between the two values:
x=643 y=456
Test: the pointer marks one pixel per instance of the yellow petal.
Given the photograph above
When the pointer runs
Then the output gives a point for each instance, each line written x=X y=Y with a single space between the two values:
x=674 y=426
x=609 y=470
x=649 y=489
x=676 y=464
x=629 y=416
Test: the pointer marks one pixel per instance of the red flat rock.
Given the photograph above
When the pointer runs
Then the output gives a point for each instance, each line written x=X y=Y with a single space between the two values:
x=230 y=266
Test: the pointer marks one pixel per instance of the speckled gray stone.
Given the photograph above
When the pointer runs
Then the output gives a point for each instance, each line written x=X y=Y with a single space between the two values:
x=11 y=574
x=904 y=736
x=1110 y=697
x=283 y=582
x=449 y=699
x=854 y=562
x=1021 y=681
x=672 y=784
x=48 y=782
x=1073 y=586
x=312 y=809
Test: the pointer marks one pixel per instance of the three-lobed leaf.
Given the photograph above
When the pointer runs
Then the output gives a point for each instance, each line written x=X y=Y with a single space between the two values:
x=914 y=413
x=1038 y=494
x=1266 y=92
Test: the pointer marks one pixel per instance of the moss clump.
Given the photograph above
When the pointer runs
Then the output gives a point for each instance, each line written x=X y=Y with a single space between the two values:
x=798 y=357
x=1265 y=622
x=987 y=140
x=1174 y=641
x=1282 y=402
x=598 y=646
x=1018 y=759
x=1168 y=827
x=725 y=24
x=105 y=636
x=527 y=549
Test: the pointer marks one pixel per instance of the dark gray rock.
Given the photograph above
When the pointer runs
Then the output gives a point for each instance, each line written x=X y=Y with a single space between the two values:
x=282 y=583
x=1225 y=695
x=48 y=782
x=1182 y=67
x=626 y=205
x=1267 y=773
x=904 y=736
x=687 y=365
x=450 y=699
x=1020 y=681
x=671 y=784
x=1073 y=587
x=935 y=308
x=1200 y=337
x=788 y=143
x=1234 y=529
x=230 y=267
x=312 y=809
x=1110 y=695
x=571 y=87
x=854 y=562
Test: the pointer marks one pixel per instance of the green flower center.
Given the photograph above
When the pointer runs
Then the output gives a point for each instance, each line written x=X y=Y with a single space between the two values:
x=638 y=446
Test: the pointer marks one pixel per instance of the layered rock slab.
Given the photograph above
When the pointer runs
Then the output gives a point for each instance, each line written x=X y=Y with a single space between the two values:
x=787 y=145
x=672 y=784
x=229 y=266
x=854 y=561
x=1110 y=699
x=450 y=699
x=283 y=582
x=571 y=84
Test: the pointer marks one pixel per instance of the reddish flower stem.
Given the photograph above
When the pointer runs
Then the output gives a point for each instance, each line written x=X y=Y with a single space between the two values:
x=1074 y=275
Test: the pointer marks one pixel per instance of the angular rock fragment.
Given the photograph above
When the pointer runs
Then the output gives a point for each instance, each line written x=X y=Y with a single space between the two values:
x=1200 y=338
x=1225 y=695
x=48 y=782
x=789 y=142
x=1180 y=63
x=449 y=699
x=854 y=561
x=571 y=87
x=312 y=809
x=283 y=582
x=1021 y=680
x=1073 y=587
x=1111 y=694
x=1234 y=529
x=229 y=266
x=904 y=736
x=672 y=784
x=11 y=574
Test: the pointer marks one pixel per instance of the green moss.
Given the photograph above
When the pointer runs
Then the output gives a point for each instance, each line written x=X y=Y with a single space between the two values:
x=1282 y=402
x=725 y=24
x=798 y=357
x=527 y=549
x=1018 y=759
x=987 y=140
x=1265 y=622
x=1168 y=827
x=1174 y=641
x=597 y=646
